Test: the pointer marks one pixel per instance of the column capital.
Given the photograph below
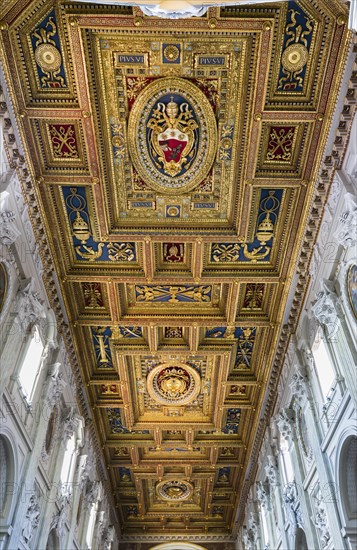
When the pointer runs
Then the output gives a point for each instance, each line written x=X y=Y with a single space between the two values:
x=29 y=309
x=327 y=308
x=285 y=422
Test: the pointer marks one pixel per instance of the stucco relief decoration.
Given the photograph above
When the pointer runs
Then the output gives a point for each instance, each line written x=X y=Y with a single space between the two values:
x=8 y=229
x=32 y=519
x=285 y=422
x=292 y=503
x=327 y=309
x=303 y=434
x=174 y=490
x=346 y=231
x=271 y=470
x=174 y=135
x=30 y=309
x=173 y=384
x=263 y=494
x=299 y=384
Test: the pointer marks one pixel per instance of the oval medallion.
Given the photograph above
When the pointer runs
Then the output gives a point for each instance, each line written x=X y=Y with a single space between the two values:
x=172 y=135
x=173 y=383
x=174 y=490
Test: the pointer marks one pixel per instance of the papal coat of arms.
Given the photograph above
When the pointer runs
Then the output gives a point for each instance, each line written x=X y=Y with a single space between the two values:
x=172 y=135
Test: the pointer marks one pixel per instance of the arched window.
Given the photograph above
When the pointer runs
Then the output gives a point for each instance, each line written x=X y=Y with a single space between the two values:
x=264 y=525
x=68 y=464
x=7 y=472
x=30 y=368
x=4 y=465
x=90 y=526
x=286 y=463
x=300 y=540
x=348 y=478
x=52 y=541
x=324 y=367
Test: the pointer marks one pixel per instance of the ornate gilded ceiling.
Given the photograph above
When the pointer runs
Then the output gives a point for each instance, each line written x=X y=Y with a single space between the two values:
x=174 y=163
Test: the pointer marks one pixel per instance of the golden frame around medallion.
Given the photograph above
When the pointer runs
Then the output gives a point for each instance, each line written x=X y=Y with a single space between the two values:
x=193 y=389
x=203 y=110
x=160 y=490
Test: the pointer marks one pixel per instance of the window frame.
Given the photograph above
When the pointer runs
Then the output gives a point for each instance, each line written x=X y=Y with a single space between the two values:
x=320 y=333
x=30 y=397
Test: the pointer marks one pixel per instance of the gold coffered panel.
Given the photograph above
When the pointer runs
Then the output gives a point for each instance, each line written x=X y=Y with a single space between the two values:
x=174 y=163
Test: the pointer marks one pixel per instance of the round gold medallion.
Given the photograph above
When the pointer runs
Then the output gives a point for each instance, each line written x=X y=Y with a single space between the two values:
x=48 y=57
x=226 y=143
x=174 y=490
x=294 y=57
x=171 y=52
x=173 y=383
x=117 y=141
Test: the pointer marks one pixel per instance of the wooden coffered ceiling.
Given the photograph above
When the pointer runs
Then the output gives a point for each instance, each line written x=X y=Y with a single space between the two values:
x=174 y=163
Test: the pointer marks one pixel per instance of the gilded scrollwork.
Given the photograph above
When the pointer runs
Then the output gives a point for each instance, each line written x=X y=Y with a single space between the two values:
x=121 y=252
x=173 y=293
x=47 y=51
x=89 y=249
x=260 y=248
x=298 y=37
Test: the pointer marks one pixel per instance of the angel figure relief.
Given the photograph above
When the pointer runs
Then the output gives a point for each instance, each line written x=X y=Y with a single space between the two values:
x=173 y=136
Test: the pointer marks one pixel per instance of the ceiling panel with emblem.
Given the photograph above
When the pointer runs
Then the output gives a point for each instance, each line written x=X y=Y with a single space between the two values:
x=174 y=163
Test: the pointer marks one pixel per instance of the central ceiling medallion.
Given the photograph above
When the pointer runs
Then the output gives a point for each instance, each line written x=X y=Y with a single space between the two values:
x=172 y=135
x=174 y=490
x=173 y=384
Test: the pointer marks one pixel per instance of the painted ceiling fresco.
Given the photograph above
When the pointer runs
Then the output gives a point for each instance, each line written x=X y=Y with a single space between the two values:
x=174 y=163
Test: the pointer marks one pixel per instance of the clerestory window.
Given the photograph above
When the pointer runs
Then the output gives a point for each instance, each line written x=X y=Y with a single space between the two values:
x=324 y=367
x=31 y=365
